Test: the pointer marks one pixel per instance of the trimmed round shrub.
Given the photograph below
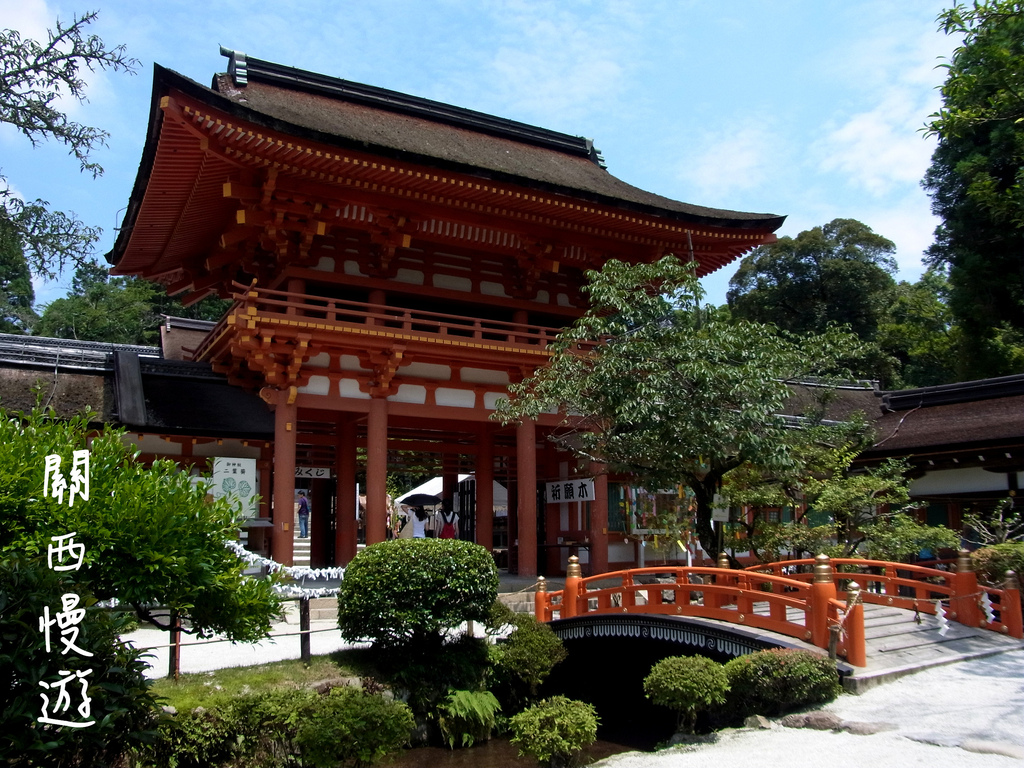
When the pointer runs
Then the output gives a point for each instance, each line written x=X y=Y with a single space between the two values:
x=778 y=680
x=687 y=684
x=405 y=590
x=522 y=661
x=555 y=731
x=992 y=563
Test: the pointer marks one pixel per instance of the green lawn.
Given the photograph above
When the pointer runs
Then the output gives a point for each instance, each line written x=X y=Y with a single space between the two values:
x=207 y=688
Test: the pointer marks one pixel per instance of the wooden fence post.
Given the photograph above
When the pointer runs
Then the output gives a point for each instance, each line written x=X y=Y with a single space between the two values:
x=823 y=589
x=541 y=607
x=304 y=629
x=964 y=601
x=856 y=646
x=1009 y=607
x=570 y=595
x=174 y=652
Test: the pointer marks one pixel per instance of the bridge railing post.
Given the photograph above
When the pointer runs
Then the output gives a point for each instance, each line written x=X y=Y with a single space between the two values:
x=823 y=589
x=542 y=601
x=856 y=645
x=571 y=592
x=1009 y=607
x=964 y=600
x=718 y=600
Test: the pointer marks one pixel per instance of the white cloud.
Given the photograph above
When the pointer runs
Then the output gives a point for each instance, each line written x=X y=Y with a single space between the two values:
x=723 y=165
x=882 y=148
x=558 y=62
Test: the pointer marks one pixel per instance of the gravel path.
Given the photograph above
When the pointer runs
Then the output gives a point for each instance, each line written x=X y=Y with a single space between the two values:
x=965 y=715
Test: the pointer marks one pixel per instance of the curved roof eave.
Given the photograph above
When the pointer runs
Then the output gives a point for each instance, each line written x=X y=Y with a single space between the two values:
x=164 y=80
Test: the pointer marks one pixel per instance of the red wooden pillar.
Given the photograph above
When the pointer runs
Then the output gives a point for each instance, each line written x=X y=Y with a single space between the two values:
x=599 y=521
x=285 y=427
x=526 y=466
x=376 y=471
x=485 y=489
x=345 y=535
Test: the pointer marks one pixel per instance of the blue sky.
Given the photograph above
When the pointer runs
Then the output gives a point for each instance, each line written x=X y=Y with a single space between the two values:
x=808 y=108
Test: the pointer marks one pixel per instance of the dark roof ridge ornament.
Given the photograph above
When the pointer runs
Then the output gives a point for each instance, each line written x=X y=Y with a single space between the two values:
x=237 y=67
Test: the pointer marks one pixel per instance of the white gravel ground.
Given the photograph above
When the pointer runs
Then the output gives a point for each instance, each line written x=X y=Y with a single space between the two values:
x=964 y=715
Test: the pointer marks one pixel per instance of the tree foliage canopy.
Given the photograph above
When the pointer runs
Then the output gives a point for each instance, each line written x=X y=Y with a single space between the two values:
x=34 y=77
x=120 y=310
x=975 y=181
x=659 y=389
x=151 y=536
x=839 y=273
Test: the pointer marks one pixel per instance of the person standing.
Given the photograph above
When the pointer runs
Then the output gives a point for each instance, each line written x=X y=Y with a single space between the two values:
x=303 y=516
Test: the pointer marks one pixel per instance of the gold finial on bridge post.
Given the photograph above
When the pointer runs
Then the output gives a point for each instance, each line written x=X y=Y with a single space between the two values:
x=723 y=561
x=541 y=606
x=963 y=561
x=571 y=590
x=822 y=569
x=856 y=644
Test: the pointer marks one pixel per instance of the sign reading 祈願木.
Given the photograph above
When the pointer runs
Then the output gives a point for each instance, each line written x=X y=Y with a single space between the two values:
x=579 y=489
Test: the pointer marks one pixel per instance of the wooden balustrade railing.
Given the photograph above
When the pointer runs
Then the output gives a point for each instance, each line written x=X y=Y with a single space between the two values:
x=269 y=302
x=809 y=605
x=921 y=588
x=788 y=606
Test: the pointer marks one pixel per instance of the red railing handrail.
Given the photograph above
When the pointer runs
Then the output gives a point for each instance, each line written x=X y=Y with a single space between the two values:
x=819 y=600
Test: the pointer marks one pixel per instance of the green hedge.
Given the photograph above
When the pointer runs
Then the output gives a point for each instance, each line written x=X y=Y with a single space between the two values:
x=992 y=563
x=778 y=680
x=270 y=729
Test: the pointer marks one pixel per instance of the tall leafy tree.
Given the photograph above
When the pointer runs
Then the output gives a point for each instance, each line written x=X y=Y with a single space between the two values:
x=34 y=77
x=839 y=273
x=121 y=310
x=917 y=330
x=16 y=292
x=975 y=181
x=652 y=386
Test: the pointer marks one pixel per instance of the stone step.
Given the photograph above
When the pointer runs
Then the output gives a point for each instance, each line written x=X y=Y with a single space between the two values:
x=518 y=602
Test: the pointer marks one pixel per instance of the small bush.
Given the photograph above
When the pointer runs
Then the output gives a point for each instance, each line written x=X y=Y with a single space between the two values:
x=353 y=728
x=992 y=563
x=467 y=717
x=687 y=684
x=775 y=681
x=410 y=590
x=270 y=729
x=555 y=731
x=522 y=661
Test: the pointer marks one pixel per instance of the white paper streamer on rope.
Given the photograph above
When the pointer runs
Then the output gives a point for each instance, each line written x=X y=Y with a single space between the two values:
x=298 y=572
x=986 y=606
x=940 y=616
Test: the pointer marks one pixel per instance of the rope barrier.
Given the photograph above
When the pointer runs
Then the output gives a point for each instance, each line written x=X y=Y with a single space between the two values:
x=226 y=640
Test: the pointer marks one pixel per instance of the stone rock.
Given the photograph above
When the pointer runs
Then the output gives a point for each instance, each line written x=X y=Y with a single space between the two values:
x=757 y=721
x=818 y=721
x=993 y=748
x=866 y=729
x=168 y=709
x=684 y=739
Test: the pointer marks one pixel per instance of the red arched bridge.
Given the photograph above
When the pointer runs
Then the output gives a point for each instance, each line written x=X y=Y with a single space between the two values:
x=819 y=601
